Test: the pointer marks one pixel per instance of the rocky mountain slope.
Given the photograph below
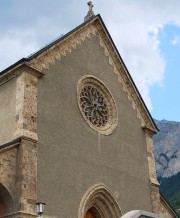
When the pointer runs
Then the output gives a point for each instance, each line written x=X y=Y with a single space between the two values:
x=167 y=148
x=167 y=155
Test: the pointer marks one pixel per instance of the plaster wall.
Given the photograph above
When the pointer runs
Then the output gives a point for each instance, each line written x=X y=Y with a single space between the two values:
x=7 y=110
x=71 y=156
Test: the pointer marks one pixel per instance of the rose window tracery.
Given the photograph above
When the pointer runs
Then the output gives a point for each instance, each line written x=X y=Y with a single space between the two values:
x=94 y=106
x=97 y=105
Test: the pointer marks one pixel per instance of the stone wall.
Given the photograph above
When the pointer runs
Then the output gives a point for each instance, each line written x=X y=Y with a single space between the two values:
x=160 y=206
x=8 y=159
x=18 y=148
x=18 y=170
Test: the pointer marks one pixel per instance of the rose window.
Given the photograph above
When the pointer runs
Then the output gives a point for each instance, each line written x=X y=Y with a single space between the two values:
x=97 y=105
x=94 y=106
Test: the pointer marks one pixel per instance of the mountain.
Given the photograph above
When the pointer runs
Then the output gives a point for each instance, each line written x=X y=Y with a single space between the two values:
x=167 y=155
x=167 y=148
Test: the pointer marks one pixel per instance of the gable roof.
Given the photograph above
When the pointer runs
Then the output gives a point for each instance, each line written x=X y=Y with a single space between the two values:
x=94 y=26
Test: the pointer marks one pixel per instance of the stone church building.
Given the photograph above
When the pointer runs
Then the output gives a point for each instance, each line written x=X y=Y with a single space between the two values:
x=76 y=134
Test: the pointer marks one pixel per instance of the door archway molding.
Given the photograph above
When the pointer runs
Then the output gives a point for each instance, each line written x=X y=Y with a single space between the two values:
x=99 y=197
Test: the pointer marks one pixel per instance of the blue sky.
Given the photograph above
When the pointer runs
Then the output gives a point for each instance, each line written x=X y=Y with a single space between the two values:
x=146 y=33
x=166 y=97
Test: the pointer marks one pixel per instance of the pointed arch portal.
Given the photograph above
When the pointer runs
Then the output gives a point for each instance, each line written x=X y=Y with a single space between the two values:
x=92 y=213
x=98 y=202
x=6 y=202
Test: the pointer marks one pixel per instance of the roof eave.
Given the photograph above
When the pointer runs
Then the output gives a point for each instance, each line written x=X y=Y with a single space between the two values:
x=127 y=71
x=34 y=55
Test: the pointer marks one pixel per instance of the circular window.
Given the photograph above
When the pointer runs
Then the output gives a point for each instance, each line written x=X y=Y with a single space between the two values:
x=97 y=105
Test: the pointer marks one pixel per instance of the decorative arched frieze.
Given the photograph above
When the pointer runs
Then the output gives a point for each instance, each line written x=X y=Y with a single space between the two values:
x=99 y=198
x=64 y=46
x=91 y=29
x=124 y=78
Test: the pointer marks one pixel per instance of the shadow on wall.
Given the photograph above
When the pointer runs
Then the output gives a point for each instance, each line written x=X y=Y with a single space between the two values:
x=6 y=202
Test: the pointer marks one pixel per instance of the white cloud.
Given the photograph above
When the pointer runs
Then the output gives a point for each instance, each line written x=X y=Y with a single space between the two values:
x=154 y=33
x=176 y=40
x=135 y=26
x=13 y=48
x=20 y=42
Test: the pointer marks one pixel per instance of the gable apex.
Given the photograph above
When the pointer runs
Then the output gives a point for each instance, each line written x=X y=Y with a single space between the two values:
x=93 y=27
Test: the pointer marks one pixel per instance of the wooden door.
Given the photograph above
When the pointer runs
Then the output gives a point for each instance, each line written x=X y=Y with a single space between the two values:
x=89 y=215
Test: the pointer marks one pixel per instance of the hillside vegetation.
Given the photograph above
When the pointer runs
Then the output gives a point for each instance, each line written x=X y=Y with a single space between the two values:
x=170 y=188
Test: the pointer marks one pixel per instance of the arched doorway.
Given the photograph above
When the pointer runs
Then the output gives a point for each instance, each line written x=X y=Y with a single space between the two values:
x=89 y=215
x=6 y=202
x=98 y=202
x=92 y=213
x=2 y=208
